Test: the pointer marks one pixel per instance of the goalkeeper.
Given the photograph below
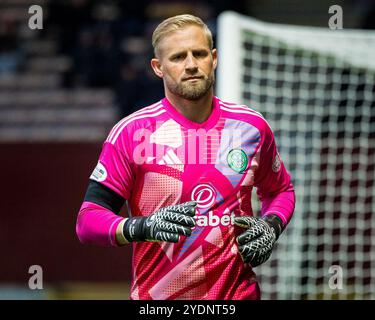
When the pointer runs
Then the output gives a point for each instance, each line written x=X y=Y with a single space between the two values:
x=186 y=167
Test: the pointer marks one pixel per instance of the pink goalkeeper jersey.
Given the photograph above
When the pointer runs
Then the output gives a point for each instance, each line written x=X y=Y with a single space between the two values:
x=156 y=157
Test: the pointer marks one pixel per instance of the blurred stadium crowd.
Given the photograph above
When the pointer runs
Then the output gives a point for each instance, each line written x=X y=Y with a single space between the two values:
x=109 y=44
x=86 y=47
x=89 y=46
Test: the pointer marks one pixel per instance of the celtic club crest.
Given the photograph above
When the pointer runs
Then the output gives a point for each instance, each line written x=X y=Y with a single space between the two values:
x=237 y=160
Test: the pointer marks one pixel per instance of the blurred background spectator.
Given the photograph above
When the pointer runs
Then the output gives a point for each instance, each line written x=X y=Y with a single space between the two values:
x=107 y=44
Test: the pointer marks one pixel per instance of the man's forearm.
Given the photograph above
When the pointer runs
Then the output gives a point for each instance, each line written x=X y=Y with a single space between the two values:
x=97 y=225
x=281 y=205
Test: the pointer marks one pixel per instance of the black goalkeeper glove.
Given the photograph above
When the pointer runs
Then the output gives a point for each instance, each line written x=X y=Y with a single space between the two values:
x=256 y=243
x=165 y=224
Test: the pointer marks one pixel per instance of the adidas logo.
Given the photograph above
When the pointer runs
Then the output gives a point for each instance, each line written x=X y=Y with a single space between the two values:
x=169 y=158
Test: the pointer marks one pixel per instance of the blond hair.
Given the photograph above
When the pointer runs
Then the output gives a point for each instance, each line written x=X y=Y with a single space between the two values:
x=176 y=23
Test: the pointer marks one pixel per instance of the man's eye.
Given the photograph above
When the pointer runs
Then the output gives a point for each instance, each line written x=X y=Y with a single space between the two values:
x=176 y=58
x=201 y=54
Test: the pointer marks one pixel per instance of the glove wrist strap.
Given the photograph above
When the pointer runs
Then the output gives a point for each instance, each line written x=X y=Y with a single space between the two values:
x=276 y=223
x=134 y=229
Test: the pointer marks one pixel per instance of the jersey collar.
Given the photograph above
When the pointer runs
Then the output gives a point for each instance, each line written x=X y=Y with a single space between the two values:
x=179 y=118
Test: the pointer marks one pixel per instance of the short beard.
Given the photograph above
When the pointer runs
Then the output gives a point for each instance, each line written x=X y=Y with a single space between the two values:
x=192 y=92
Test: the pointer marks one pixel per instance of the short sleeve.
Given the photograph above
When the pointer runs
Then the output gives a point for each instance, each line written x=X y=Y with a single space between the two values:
x=114 y=170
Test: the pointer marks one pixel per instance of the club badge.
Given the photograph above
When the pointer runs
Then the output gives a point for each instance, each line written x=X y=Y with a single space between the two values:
x=237 y=160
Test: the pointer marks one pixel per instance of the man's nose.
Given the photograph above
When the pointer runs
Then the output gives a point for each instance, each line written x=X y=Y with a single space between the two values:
x=191 y=64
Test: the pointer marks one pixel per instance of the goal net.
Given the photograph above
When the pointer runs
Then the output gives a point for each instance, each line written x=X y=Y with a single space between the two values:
x=316 y=88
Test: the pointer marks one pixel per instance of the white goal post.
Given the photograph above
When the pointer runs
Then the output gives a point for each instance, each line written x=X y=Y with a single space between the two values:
x=316 y=88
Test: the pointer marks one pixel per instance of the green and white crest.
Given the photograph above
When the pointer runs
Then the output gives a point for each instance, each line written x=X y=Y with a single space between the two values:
x=237 y=160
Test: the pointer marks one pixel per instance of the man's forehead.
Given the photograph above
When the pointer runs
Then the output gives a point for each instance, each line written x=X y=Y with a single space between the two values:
x=187 y=38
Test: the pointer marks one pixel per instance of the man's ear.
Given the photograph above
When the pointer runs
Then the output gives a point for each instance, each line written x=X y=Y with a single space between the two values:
x=214 y=58
x=155 y=65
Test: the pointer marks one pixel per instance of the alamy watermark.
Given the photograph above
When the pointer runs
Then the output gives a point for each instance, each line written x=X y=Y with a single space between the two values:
x=336 y=20
x=36 y=20
x=335 y=282
x=225 y=148
x=36 y=280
